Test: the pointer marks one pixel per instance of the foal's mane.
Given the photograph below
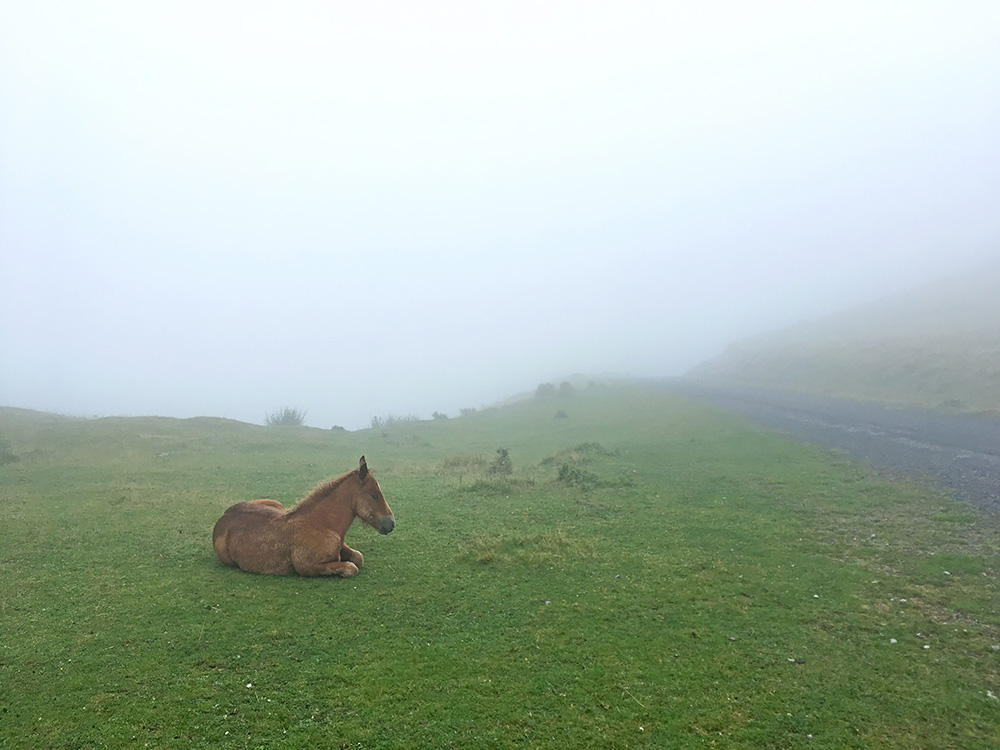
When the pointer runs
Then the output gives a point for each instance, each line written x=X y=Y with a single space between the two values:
x=324 y=490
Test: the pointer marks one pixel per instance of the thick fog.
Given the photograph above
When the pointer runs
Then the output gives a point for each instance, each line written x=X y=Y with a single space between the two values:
x=358 y=209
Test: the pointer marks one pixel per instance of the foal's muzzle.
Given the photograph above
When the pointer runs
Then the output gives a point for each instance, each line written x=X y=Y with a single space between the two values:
x=386 y=524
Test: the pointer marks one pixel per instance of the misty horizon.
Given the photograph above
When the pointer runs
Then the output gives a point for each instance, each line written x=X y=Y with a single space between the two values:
x=362 y=211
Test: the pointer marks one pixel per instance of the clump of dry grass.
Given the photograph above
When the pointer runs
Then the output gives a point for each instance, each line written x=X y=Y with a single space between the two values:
x=463 y=463
x=541 y=549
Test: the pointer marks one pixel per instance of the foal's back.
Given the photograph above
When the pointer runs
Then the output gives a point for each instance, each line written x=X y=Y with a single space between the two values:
x=251 y=535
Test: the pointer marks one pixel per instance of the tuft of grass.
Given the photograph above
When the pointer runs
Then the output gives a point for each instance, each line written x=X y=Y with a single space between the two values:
x=528 y=550
x=474 y=473
x=582 y=453
x=592 y=448
x=582 y=479
x=7 y=454
x=393 y=420
x=464 y=463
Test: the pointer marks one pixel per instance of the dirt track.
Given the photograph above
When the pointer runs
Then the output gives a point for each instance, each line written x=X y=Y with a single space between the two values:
x=955 y=452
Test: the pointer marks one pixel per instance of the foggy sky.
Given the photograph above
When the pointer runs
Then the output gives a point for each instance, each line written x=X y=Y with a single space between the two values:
x=358 y=209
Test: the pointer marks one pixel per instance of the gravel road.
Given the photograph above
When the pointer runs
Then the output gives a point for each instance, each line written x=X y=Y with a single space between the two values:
x=955 y=452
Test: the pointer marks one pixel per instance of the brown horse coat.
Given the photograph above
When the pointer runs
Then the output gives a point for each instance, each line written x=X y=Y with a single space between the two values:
x=262 y=536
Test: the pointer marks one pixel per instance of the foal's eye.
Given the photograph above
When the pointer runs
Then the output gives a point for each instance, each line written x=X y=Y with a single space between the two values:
x=374 y=497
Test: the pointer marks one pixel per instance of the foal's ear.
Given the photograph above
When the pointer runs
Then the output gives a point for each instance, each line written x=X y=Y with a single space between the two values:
x=362 y=469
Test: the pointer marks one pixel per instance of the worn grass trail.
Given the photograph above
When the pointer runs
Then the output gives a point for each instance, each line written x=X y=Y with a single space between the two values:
x=652 y=574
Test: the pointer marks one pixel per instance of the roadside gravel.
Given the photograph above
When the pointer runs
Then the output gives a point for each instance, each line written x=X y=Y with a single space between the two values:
x=954 y=452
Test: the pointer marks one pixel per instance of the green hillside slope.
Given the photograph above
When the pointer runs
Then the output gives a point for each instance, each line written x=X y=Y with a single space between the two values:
x=936 y=347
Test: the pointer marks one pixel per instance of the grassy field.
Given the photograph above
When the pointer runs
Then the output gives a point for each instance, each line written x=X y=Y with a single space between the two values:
x=652 y=574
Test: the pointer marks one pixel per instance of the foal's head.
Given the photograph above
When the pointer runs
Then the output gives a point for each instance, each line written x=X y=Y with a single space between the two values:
x=369 y=504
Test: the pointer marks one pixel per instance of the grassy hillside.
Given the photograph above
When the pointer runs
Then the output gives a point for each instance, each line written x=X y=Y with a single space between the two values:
x=937 y=347
x=652 y=574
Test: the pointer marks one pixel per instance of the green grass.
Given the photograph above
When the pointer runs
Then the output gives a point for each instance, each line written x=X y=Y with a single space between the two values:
x=711 y=585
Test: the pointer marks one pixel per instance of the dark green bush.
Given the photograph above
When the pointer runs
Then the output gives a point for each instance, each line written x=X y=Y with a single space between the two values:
x=501 y=465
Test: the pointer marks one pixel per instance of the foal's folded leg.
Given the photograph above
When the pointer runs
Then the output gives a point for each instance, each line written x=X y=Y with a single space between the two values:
x=309 y=563
x=351 y=555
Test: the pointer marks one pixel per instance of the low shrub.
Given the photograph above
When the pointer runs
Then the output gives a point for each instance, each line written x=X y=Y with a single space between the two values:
x=579 y=454
x=393 y=420
x=545 y=389
x=287 y=417
x=501 y=465
x=7 y=455
x=574 y=476
x=594 y=449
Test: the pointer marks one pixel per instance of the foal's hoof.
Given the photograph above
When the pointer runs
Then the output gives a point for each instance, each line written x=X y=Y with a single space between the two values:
x=350 y=570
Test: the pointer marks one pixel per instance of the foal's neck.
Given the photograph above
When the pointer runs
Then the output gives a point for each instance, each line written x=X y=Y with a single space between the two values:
x=330 y=503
